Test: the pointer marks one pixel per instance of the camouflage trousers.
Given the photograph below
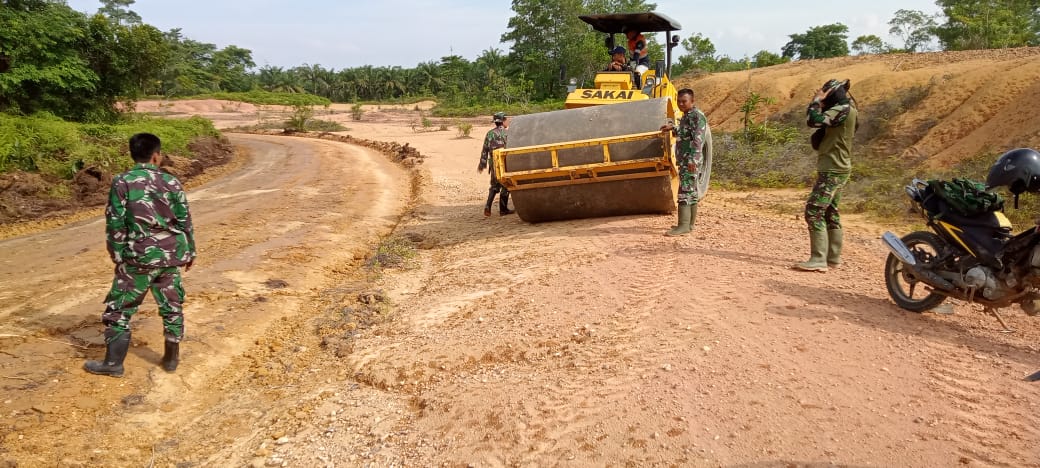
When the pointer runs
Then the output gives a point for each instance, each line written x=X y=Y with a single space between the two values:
x=497 y=189
x=821 y=210
x=688 y=184
x=129 y=287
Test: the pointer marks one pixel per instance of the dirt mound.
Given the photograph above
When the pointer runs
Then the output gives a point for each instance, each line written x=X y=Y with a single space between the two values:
x=404 y=154
x=937 y=108
x=25 y=195
x=29 y=196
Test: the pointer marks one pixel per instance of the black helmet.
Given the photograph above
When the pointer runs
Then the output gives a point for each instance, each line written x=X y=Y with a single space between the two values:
x=1018 y=170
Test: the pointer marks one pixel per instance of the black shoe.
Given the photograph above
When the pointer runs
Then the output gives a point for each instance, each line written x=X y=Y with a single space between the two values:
x=171 y=356
x=487 y=212
x=506 y=212
x=114 y=354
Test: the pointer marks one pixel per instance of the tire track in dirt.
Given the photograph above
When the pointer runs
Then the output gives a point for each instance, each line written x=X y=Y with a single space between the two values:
x=991 y=426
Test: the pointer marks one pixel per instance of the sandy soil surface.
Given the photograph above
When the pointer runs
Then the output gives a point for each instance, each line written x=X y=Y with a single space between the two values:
x=579 y=343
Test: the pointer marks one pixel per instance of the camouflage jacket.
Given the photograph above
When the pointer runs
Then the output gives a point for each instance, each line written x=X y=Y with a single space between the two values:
x=147 y=222
x=692 y=132
x=834 y=116
x=495 y=139
x=839 y=126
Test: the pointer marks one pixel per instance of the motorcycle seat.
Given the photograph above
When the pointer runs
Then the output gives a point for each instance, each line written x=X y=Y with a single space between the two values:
x=994 y=220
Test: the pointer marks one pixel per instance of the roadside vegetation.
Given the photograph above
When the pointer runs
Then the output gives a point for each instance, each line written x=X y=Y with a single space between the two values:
x=57 y=148
x=776 y=154
x=261 y=97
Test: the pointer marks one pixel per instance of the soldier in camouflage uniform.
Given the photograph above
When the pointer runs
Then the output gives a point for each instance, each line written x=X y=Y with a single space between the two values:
x=149 y=237
x=495 y=138
x=693 y=146
x=834 y=114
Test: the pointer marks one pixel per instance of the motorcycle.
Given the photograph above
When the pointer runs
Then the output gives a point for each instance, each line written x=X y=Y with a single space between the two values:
x=971 y=257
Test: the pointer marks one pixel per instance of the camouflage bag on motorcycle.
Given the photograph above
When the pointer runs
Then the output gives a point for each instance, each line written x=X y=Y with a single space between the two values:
x=966 y=197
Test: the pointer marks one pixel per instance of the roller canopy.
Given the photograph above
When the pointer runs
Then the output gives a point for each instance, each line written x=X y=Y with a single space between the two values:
x=644 y=22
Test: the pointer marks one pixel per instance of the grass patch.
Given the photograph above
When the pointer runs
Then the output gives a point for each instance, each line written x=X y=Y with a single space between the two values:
x=53 y=147
x=266 y=98
x=448 y=109
x=319 y=125
x=392 y=252
x=739 y=164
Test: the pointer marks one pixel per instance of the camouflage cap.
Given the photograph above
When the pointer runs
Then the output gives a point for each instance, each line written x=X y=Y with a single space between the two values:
x=499 y=117
x=833 y=83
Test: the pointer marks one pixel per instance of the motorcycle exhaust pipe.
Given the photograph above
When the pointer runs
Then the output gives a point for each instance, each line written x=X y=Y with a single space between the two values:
x=898 y=248
x=903 y=254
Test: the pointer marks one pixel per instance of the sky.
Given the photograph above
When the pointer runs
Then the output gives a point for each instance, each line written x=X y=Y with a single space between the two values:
x=339 y=34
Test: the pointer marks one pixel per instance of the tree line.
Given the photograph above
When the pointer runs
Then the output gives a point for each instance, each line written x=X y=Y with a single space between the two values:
x=82 y=66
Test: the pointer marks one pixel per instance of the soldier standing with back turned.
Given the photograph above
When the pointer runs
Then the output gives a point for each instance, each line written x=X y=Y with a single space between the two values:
x=149 y=237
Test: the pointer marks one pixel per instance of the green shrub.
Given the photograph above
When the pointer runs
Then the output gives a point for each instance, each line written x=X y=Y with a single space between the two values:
x=300 y=115
x=318 y=125
x=464 y=128
x=356 y=111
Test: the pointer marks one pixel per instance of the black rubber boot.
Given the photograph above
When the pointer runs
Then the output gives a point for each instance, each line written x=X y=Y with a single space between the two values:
x=503 y=203
x=171 y=356
x=490 y=199
x=114 y=354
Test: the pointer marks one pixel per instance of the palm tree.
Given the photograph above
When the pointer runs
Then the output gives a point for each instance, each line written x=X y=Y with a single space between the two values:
x=393 y=81
x=277 y=79
x=427 y=78
x=365 y=79
x=314 y=78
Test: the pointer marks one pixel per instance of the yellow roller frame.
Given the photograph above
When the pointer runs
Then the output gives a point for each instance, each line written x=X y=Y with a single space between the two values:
x=586 y=173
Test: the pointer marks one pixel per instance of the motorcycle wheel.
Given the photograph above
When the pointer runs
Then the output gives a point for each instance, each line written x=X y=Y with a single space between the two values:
x=903 y=288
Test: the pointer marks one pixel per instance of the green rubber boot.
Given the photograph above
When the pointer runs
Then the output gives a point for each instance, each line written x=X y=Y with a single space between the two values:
x=818 y=253
x=685 y=221
x=836 y=237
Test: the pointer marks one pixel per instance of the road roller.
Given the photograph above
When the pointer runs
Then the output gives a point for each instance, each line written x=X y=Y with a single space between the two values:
x=604 y=153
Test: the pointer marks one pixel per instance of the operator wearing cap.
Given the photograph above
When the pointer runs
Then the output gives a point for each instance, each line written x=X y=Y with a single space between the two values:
x=618 y=61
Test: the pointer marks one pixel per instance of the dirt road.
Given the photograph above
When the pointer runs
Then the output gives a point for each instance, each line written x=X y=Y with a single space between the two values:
x=578 y=343
x=269 y=236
